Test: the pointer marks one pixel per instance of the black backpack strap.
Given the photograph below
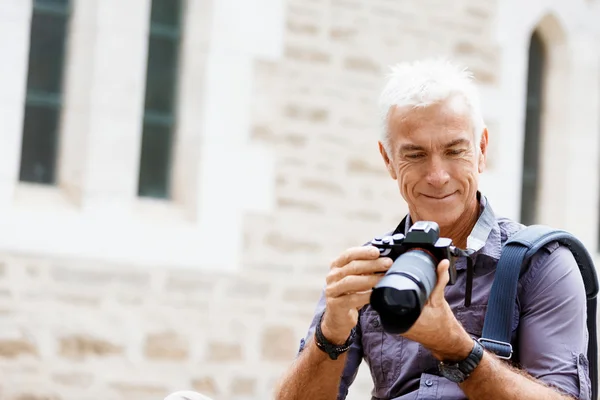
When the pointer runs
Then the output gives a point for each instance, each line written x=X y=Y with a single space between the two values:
x=593 y=345
x=513 y=262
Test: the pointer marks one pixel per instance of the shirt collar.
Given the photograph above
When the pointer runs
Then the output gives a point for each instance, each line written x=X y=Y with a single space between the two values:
x=485 y=238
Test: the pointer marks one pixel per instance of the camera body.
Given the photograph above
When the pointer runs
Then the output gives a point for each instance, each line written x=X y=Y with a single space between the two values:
x=400 y=295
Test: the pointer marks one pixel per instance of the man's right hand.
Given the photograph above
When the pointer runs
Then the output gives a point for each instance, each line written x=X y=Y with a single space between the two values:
x=349 y=284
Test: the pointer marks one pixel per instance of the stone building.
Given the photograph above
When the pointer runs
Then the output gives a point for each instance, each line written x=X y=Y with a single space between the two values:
x=176 y=175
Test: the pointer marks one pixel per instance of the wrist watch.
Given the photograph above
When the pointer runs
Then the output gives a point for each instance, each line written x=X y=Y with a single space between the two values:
x=331 y=349
x=459 y=371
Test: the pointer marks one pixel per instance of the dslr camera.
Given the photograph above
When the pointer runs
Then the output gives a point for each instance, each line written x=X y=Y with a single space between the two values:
x=400 y=295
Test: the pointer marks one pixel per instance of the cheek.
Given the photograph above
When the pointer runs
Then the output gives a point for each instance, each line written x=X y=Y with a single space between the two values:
x=402 y=169
x=408 y=176
x=466 y=172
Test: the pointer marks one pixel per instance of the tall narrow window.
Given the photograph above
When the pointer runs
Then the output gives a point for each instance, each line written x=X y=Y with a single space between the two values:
x=529 y=190
x=43 y=102
x=160 y=103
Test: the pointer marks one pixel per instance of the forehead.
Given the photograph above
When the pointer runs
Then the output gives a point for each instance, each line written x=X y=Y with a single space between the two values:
x=438 y=122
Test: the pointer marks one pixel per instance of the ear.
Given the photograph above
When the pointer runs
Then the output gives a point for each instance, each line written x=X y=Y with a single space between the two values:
x=387 y=161
x=483 y=145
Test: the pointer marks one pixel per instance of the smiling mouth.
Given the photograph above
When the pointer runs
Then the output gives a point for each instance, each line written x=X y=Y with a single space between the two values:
x=439 y=197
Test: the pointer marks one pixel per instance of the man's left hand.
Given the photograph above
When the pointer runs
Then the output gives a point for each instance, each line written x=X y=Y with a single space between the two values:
x=437 y=328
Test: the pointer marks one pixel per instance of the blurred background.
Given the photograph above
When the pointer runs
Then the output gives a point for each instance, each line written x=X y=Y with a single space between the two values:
x=176 y=175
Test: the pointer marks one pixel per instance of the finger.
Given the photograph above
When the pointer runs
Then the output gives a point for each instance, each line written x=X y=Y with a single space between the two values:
x=352 y=284
x=359 y=267
x=354 y=300
x=356 y=253
x=442 y=281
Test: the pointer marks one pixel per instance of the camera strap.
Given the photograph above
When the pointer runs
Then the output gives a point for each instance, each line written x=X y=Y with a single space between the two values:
x=470 y=270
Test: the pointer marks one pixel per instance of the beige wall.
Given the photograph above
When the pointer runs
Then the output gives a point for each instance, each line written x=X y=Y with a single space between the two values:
x=106 y=296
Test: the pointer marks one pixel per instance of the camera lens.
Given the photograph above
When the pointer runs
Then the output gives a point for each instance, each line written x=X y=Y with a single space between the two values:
x=401 y=294
x=401 y=301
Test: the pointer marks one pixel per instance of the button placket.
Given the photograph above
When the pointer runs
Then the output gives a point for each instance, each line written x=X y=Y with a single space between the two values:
x=428 y=389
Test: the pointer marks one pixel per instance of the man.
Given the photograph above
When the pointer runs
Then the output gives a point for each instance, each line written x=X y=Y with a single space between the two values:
x=434 y=144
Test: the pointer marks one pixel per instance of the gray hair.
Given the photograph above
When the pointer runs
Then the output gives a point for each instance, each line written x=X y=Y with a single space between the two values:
x=427 y=82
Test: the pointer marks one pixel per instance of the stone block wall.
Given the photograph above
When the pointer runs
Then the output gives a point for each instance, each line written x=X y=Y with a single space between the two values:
x=86 y=329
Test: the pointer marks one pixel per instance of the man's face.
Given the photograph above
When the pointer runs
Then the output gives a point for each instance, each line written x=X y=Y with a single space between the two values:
x=433 y=157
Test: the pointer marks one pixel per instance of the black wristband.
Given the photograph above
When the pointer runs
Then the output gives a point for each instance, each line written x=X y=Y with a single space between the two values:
x=459 y=371
x=331 y=349
x=473 y=359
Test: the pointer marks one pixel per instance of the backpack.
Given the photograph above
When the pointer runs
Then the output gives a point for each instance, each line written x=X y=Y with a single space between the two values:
x=514 y=261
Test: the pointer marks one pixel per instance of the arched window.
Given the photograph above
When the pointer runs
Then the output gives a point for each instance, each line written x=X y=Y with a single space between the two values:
x=531 y=151
x=43 y=102
x=160 y=99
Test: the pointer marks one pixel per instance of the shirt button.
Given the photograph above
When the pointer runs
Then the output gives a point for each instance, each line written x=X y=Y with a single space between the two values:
x=428 y=382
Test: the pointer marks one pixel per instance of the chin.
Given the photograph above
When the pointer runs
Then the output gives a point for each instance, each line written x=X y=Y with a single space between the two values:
x=442 y=218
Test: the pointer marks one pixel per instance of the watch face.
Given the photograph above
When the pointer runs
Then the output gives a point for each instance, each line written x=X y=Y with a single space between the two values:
x=452 y=373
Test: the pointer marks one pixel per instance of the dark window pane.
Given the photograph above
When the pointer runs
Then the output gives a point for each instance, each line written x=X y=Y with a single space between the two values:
x=46 y=52
x=161 y=74
x=160 y=99
x=166 y=12
x=63 y=3
x=44 y=86
x=529 y=189
x=155 y=160
x=38 y=151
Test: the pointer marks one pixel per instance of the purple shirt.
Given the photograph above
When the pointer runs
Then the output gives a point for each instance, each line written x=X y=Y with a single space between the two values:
x=549 y=329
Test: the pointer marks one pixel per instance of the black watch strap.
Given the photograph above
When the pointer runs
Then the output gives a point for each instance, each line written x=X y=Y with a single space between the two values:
x=459 y=371
x=473 y=359
x=331 y=349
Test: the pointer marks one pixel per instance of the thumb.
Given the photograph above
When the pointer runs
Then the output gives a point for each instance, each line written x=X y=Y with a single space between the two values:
x=442 y=280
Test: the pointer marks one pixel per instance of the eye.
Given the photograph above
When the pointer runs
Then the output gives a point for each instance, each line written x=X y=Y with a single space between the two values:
x=455 y=152
x=415 y=156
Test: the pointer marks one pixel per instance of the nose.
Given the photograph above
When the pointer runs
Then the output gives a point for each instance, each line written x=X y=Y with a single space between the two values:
x=437 y=175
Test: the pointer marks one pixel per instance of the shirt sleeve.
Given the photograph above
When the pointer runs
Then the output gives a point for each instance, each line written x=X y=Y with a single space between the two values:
x=355 y=353
x=552 y=335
